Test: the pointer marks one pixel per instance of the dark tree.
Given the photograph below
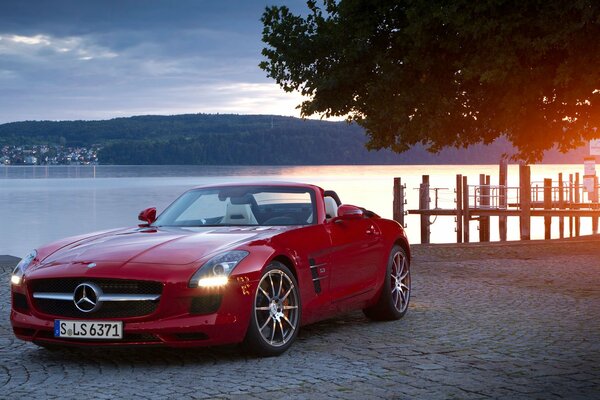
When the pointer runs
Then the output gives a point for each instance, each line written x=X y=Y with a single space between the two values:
x=445 y=73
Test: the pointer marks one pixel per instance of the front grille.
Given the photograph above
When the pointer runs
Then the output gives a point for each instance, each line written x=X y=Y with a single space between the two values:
x=207 y=304
x=108 y=286
x=20 y=302
x=116 y=309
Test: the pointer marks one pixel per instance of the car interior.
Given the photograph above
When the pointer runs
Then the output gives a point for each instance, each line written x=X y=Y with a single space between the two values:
x=245 y=211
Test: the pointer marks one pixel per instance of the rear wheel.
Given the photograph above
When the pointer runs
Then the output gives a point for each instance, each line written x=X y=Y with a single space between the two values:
x=275 y=313
x=395 y=294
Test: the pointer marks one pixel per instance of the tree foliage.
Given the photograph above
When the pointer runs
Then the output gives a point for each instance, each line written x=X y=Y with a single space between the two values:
x=445 y=73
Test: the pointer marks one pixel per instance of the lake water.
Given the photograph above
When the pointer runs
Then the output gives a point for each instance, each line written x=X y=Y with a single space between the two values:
x=41 y=204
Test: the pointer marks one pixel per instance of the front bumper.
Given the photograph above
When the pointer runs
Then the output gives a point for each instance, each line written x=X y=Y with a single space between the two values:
x=176 y=322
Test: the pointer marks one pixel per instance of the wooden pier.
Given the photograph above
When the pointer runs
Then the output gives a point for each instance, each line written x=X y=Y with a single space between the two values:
x=481 y=201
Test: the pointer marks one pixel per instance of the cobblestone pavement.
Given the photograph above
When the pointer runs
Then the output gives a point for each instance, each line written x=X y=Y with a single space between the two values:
x=486 y=321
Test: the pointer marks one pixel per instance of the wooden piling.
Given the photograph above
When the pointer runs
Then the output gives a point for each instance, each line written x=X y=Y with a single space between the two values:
x=571 y=199
x=465 y=209
x=547 y=206
x=502 y=201
x=595 y=201
x=561 y=205
x=487 y=193
x=424 y=205
x=481 y=220
x=525 y=200
x=484 y=202
x=398 y=206
x=459 y=213
x=577 y=201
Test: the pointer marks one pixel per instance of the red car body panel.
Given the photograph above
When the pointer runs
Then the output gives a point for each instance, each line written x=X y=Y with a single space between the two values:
x=351 y=256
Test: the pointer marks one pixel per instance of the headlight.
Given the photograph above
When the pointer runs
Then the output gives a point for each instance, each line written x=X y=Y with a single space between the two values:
x=216 y=271
x=19 y=271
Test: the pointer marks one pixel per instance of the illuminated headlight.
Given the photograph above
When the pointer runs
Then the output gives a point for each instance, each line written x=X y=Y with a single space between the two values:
x=216 y=271
x=17 y=275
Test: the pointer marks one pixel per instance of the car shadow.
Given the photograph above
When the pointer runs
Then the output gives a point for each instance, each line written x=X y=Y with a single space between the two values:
x=320 y=332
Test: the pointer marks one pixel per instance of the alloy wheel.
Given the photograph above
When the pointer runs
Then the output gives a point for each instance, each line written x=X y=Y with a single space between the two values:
x=400 y=282
x=276 y=308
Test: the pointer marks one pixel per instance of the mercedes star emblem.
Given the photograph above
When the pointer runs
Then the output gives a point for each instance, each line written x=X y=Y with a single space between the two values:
x=87 y=297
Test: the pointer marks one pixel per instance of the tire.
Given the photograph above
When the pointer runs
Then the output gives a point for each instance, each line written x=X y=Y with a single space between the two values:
x=276 y=312
x=395 y=293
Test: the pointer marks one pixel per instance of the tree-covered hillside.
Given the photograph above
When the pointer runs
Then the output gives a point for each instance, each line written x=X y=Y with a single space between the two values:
x=226 y=139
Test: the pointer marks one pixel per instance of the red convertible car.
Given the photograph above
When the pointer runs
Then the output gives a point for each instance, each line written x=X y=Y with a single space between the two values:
x=245 y=263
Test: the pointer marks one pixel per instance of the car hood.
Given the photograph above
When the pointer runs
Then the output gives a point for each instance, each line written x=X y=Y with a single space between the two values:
x=170 y=246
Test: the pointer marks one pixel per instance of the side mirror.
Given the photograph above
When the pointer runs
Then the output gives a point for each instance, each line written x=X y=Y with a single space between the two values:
x=148 y=216
x=347 y=212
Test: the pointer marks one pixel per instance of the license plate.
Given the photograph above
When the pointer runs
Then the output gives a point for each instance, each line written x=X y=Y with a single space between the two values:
x=88 y=329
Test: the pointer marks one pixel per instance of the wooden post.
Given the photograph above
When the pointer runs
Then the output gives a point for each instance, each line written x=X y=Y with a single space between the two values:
x=398 y=206
x=481 y=205
x=577 y=201
x=561 y=205
x=484 y=202
x=571 y=204
x=547 y=206
x=459 y=216
x=488 y=203
x=402 y=198
x=595 y=205
x=502 y=201
x=525 y=201
x=465 y=208
x=424 y=205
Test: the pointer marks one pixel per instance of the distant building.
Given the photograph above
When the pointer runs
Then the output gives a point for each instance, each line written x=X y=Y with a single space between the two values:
x=45 y=155
x=30 y=160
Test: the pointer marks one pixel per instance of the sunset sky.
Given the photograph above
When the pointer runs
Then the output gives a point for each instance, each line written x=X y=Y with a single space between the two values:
x=73 y=59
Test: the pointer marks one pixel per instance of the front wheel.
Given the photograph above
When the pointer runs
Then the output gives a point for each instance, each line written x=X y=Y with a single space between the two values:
x=395 y=294
x=276 y=312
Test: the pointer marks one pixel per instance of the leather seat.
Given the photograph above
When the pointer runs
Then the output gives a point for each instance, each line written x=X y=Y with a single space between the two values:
x=239 y=214
x=330 y=207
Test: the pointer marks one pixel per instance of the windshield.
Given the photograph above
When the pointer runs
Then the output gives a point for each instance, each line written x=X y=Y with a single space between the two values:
x=241 y=206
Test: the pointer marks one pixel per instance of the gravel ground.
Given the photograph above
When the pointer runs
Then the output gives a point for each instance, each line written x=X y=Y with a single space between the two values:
x=518 y=320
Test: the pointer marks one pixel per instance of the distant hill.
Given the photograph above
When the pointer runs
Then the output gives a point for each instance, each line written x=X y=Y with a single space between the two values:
x=231 y=139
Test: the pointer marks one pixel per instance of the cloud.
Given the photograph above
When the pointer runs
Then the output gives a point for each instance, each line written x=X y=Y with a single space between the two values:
x=44 y=47
x=88 y=60
x=38 y=39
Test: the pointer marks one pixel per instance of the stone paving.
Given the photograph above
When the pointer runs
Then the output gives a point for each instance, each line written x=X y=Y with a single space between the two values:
x=518 y=321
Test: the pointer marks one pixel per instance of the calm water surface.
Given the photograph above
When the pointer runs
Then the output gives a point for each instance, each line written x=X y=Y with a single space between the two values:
x=42 y=204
